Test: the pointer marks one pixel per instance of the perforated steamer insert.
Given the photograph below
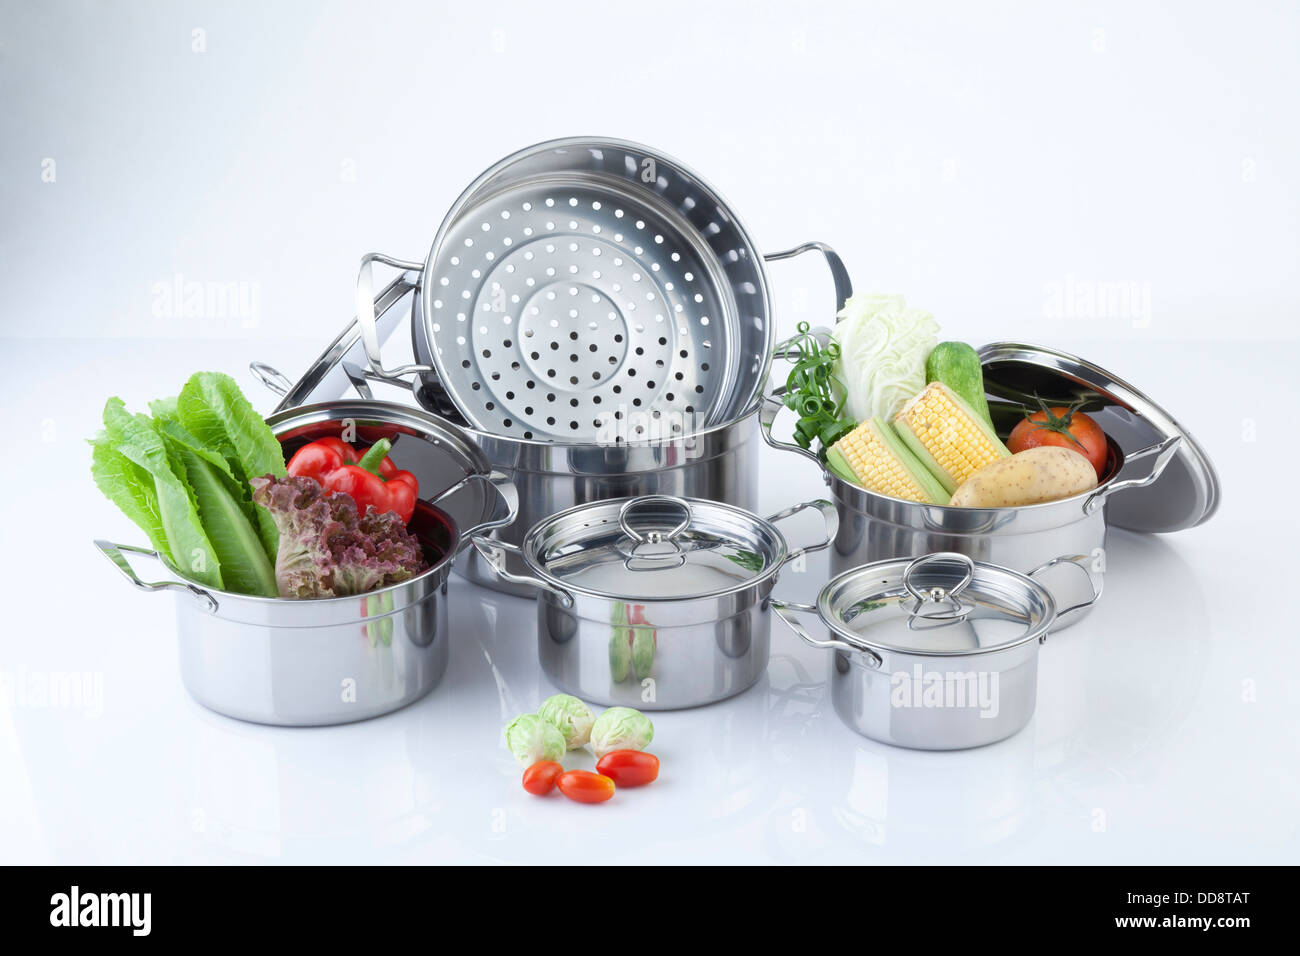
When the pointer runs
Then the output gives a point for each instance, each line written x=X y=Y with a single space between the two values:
x=580 y=284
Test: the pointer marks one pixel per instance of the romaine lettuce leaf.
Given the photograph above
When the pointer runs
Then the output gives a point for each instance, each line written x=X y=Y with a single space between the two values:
x=136 y=439
x=213 y=409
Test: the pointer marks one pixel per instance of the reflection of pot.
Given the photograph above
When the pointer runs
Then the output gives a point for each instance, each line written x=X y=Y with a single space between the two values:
x=1108 y=720
x=654 y=602
x=333 y=660
x=1181 y=487
x=919 y=805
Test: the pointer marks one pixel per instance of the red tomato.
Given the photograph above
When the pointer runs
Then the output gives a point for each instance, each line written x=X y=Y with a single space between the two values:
x=629 y=768
x=585 y=786
x=1065 y=427
x=539 y=779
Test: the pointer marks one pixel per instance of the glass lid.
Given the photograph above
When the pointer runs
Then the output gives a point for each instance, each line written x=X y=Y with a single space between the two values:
x=655 y=547
x=943 y=604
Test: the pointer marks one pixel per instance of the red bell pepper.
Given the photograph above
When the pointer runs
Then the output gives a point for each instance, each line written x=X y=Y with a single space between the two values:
x=371 y=480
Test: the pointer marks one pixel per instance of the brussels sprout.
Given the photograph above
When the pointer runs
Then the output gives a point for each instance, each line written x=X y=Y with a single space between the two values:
x=570 y=716
x=532 y=739
x=621 y=728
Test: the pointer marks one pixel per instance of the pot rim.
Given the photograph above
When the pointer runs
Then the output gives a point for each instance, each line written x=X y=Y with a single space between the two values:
x=675 y=441
x=768 y=575
x=973 y=514
x=1022 y=582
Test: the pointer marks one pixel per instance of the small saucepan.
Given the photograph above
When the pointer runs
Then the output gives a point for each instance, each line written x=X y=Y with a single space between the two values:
x=938 y=652
x=655 y=602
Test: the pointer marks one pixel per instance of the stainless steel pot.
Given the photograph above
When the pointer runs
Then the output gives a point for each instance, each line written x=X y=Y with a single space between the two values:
x=935 y=653
x=336 y=660
x=687 y=454
x=602 y=242
x=875 y=527
x=655 y=602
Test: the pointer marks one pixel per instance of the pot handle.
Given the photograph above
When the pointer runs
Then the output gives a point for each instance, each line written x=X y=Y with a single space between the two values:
x=830 y=516
x=839 y=274
x=505 y=491
x=1081 y=561
x=114 y=553
x=367 y=320
x=785 y=611
x=767 y=413
x=274 y=380
x=1164 y=452
x=494 y=553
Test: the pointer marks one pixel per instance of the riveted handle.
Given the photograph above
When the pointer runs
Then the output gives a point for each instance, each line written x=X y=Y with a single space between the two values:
x=839 y=274
x=275 y=380
x=830 y=517
x=1084 y=563
x=367 y=321
x=767 y=412
x=1164 y=453
x=786 y=611
x=494 y=553
x=503 y=489
x=114 y=553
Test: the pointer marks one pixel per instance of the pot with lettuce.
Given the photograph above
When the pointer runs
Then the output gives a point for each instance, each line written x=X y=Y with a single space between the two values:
x=309 y=558
x=919 y=460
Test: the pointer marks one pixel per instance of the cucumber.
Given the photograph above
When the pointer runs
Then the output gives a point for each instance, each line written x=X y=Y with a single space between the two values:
x=957 y=365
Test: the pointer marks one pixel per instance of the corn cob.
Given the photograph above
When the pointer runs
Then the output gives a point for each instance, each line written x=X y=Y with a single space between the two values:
x=947 y=435
x=873 y=456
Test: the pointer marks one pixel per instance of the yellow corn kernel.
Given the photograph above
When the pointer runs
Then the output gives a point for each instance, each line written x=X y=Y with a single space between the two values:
x=957 y=443
x=876 y=466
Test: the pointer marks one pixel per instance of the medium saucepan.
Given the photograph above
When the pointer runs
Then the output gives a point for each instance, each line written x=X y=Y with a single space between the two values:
x=654 y=602
x=873 y=527
x=935 y=653
x=336 y=660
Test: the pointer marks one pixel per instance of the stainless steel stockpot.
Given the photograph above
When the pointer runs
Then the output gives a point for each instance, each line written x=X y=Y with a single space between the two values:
x=934 y=653
x=654 y=602
x=694 y=454
x=1148 y=450
x=602 y=241
x=336 y=660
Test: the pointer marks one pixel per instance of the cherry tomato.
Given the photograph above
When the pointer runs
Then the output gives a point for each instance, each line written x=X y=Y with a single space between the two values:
x=539 y=779
x=585 y=786
x=1064 y=427
x=629 y=768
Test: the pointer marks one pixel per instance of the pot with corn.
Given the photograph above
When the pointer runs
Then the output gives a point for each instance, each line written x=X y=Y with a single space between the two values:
x=919 y=460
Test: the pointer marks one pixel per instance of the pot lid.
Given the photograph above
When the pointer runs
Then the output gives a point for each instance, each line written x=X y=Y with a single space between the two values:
x=944 y=604
x=1187 y=491
x=654 y=548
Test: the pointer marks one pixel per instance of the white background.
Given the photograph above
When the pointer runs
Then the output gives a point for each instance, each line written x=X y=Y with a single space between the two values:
x=979 y=158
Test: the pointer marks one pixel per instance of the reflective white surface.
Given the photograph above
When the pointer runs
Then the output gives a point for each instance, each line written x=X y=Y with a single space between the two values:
x=1165 y=731
x=185 y=186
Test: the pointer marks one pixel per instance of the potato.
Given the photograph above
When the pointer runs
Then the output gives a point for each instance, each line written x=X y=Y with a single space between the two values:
x=1029 y=477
